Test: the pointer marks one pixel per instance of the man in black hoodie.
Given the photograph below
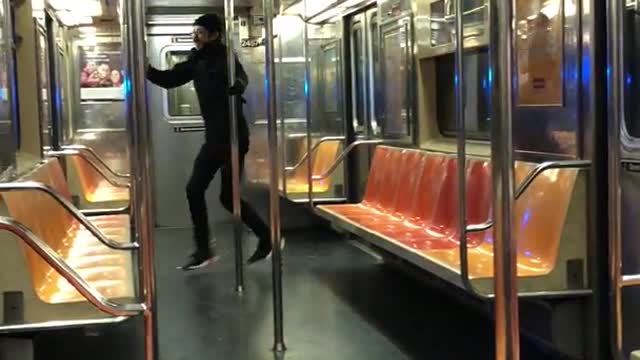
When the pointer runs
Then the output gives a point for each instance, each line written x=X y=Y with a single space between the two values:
x=207 y=68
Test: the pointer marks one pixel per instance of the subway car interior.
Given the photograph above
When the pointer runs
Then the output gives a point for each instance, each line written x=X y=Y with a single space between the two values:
x=455 y=179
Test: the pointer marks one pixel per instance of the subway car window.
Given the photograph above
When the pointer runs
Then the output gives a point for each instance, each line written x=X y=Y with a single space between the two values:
x=396 y=82
x=632 y=58
x=181 y=101
x=43 y=79
x=478 y=92
x=7 y=144
x=330 y=67
x=291 y=87
x=358 y=69
x=546 y=119
x=62 y=75
x=377 y=104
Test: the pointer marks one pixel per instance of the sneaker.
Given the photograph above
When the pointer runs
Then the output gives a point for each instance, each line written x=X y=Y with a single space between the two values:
x=198 y=261
x=264 y=252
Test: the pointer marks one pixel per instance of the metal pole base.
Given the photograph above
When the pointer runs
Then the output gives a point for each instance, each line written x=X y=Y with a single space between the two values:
x=240 y=289
x=279 y=347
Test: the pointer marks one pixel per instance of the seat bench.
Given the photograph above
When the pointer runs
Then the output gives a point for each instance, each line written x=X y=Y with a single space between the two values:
x=410 y=208
x=297 y=180
x=321 y=159
x=109 y=271
x=94 y=187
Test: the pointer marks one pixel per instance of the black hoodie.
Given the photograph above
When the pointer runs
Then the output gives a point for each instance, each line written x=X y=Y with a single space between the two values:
x=207 y=68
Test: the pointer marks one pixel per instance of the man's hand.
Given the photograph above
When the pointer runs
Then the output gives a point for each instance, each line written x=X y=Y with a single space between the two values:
x=236 y=89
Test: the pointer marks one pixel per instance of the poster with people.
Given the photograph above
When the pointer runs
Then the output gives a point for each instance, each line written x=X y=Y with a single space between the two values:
x=101 y=66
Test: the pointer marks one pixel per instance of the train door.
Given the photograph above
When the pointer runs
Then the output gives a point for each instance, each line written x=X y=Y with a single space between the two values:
x=624 y=75
x=363 y=57
x=292 y=123
x=327 y=120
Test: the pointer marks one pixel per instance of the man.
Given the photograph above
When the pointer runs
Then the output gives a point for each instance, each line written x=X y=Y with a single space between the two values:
x=207 y=68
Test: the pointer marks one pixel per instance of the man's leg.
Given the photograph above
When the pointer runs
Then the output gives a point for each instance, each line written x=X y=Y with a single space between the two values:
x=205 y=167
x=249 y=215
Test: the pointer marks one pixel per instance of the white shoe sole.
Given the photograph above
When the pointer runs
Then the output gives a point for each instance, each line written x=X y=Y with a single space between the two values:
x=282 y=244
x=199 y=266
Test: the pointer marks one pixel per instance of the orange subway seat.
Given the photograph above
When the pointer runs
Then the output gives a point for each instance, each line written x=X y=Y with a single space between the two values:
x=445 y=223
x=539 y=217
x=374 y=186
x=109 y=271
x=321 y=161
x=404 y=193
x=95 y=188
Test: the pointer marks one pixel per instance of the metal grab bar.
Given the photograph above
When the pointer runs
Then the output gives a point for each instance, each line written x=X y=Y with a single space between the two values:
x=524 y=185
x=83 y=148
x=630 y=280
x=97 y=168
x=296 y=136
x=549 y=165
x=341 y=157
x=313 y=150
x=55 y=261
x=506 y=307
x=461 y=138
x=126 y=210
x=35 y=186
x=479 y=227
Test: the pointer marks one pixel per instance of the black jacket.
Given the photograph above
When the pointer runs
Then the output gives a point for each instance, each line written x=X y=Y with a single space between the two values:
x=207 y=68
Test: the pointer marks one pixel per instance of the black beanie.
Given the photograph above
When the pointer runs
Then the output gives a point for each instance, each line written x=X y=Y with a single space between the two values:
x=211 y=22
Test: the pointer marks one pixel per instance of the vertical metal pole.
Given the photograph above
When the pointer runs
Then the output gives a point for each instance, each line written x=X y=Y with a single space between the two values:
x=308 y=103
x=235 y=154
x=283 y=133
x=274 y=203
x=506 y=290
x=615 y=86
x=461 y=134
x=133 y=28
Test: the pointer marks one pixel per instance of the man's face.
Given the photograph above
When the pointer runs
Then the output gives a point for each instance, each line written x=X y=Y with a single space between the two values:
x=202 y=36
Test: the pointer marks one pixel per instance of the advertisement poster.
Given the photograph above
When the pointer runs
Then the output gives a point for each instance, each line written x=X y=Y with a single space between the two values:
x=539 y=49
x=101 y=66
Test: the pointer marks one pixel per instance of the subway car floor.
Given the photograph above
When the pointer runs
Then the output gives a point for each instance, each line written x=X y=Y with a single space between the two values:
x=339 y=303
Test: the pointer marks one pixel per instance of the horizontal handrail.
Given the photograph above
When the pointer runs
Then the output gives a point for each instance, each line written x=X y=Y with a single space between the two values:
x=296 y=135
x=99 y=169
x=35 y=186
x=630 y=280
x=549 y=165
x=125 y=210
x=83 y=148
x=480 y=227
x=313 y=150
x=524 y=185
x=341 y=157
x=55 y=261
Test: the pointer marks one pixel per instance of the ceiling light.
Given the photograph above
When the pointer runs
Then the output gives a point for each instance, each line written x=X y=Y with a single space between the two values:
x=87 y=8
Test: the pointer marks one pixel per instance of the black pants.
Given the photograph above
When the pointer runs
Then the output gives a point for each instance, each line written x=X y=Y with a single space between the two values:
x=209 y=160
